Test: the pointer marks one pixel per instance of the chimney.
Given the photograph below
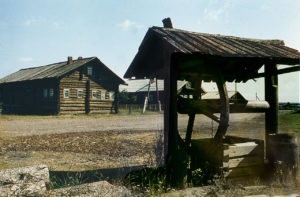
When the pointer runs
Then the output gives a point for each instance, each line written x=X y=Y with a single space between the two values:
x=167 y=23
x=80 y=58
x=70 y=60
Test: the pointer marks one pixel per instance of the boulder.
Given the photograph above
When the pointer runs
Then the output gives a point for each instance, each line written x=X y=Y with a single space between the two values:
x=25 y=181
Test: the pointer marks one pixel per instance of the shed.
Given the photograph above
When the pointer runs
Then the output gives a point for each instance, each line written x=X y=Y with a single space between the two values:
x=141 y=87
x=173 y=54
x=84 y=85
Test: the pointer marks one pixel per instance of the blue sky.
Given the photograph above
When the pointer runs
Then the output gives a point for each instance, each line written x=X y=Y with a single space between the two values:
x=40 y=32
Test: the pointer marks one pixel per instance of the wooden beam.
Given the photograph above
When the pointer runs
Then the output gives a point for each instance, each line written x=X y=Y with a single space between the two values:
x=281 y=71
x=176 y=156
x=271 y=96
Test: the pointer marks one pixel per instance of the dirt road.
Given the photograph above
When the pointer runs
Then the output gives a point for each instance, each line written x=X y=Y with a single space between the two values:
x=40 y=125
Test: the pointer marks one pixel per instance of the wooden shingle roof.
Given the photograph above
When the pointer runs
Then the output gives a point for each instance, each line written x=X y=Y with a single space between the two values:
x=225 y=46
x=55 y=70
x=237 y=54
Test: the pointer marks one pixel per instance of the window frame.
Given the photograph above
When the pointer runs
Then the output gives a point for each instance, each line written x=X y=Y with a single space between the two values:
x=79 y=93
x=66 y=90
x=112 y=95
x=95 y=92
x=51 y=93
x=45 y=93
x=102 y=95
x=89 y=70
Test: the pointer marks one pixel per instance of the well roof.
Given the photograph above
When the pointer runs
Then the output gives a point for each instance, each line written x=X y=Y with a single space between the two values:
x=160 y=43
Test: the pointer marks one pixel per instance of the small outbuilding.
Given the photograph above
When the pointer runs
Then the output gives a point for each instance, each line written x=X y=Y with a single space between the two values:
x=151 y=88
x=84 y=85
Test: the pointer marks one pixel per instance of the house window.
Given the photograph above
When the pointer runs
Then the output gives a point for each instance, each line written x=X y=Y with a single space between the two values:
x=45 y=93
x=89 y=70
x=79 y=94
x=66 y=93
x=112 y=95
x=107 y=95
x=103 y=95
x=95 y=94
x=51 y=92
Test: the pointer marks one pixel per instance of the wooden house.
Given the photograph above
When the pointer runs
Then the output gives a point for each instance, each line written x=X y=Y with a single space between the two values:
x=84 y=85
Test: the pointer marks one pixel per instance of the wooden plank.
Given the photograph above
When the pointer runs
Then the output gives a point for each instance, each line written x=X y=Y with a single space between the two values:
x=242 y=149
x=244 y=171
x=244 y=162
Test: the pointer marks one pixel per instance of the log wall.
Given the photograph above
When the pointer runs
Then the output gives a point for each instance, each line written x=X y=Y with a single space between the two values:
x=86 y=104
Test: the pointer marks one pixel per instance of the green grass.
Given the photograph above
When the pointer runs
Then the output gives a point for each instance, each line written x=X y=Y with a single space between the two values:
x=289 y=122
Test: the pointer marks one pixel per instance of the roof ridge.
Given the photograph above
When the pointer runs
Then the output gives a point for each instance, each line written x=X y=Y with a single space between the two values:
x=267 y=41
x=35 y=67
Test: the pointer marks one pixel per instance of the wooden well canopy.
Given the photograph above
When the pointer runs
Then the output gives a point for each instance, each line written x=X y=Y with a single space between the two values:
x=174 y=54
x=238 y=59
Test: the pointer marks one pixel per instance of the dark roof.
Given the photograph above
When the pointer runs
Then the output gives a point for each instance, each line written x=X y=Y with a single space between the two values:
x=55 y=70
x=159 y=43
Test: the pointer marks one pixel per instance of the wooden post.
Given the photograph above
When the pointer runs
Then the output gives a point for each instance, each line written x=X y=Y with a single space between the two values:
x=271 y=96
x=57 y=94
x=157 y=96
x=147 y=97
x=116 y=100
x=87 y=97
x=176 y=157
x=196 y=84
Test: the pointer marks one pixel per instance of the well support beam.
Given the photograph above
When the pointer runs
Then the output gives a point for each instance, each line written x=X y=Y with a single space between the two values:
x=176 y=154
x=271 y=96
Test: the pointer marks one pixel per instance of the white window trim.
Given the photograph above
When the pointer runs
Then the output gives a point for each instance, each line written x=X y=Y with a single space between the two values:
x=97 y=93
x=102 y=95
x=112 y=95
x=66 y=90
x=78 y=93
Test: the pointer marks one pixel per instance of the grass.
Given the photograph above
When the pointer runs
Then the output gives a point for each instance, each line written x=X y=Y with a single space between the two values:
x=68 y=179
x=289 y=122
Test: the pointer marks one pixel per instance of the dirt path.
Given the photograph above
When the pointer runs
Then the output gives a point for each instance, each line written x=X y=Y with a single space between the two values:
x=40 y=125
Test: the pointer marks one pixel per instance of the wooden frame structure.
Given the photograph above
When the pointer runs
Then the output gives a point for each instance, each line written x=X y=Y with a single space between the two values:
x=173 y=54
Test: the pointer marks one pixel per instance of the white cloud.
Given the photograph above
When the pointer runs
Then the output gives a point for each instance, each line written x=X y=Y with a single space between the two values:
x=218 y=10
x=128 y=24
x=25 y=59
x=57 y=24
x=33 y=21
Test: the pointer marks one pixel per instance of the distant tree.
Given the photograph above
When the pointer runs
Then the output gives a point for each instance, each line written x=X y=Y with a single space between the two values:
x=124 y=97
x=127 y=98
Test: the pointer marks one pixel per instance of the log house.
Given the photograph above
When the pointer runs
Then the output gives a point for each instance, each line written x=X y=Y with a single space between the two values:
x=79 y=86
